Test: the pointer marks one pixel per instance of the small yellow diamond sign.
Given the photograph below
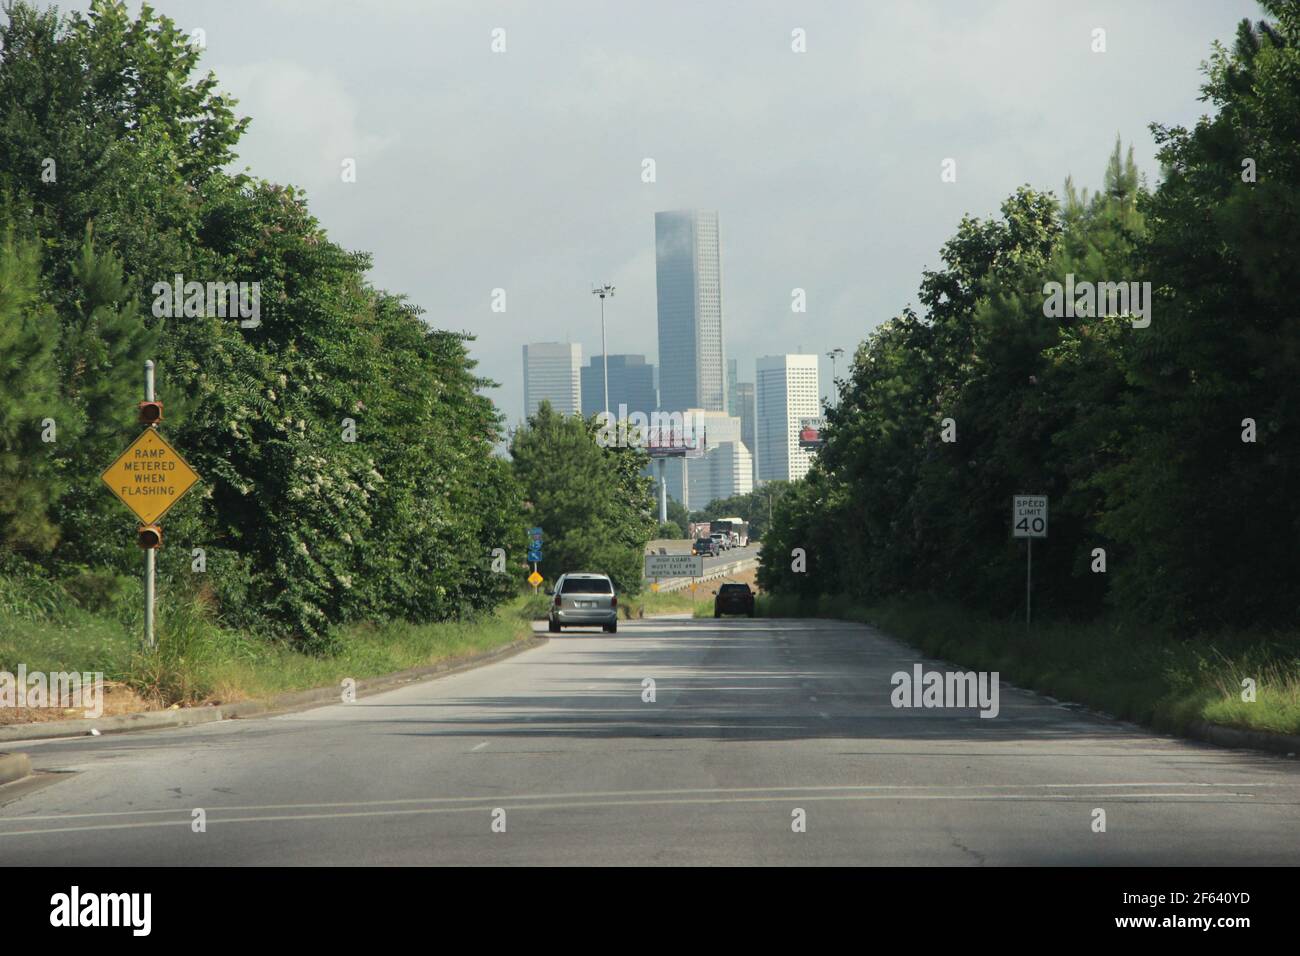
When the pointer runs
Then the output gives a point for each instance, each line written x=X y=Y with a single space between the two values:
x=534 y=579
x=149 y=477
x=654 y=586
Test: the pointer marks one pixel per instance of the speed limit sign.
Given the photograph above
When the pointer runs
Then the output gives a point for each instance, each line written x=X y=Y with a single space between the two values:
x=1029 y=516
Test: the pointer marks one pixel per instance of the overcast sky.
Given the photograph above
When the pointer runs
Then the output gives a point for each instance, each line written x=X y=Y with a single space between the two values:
x=523 y=170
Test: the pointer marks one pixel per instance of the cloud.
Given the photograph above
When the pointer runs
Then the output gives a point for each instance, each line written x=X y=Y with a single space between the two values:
x=305 y=122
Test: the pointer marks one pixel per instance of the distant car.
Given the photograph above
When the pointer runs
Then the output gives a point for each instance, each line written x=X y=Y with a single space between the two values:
x=705 y=546
x=733 y=599
x=724 y=540
x=583 y=600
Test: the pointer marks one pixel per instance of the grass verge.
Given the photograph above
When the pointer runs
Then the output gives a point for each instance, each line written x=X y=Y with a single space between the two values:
x=199 y=661
x=1136 y=673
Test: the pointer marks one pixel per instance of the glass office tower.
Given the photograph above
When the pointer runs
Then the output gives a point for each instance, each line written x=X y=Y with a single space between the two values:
x=688 y=282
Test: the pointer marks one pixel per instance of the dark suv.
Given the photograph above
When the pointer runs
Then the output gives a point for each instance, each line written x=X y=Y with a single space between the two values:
x=705 y=546
x=733 y=599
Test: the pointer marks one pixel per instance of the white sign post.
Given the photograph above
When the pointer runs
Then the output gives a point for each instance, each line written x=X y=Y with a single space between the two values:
x=1029 y=520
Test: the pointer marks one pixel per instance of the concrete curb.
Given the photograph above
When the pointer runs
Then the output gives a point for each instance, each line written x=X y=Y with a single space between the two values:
x=1286 y=744
x=14 y=767
x=279 y=704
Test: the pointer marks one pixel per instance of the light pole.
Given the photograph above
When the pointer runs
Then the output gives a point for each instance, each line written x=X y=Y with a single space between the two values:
x=603 y=291
x=833 y=354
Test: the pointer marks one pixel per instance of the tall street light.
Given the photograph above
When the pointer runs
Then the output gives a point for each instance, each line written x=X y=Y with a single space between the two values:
x=833 y=354
x=603 y=291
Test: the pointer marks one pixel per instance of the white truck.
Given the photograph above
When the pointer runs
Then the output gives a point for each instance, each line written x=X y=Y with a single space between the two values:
x=736 y=529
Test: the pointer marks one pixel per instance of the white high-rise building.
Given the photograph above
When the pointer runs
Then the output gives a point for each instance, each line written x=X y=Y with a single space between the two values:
x=688 y=287
x=725 y=468
x=785 y=391
x=725 y=471
x=552 y=373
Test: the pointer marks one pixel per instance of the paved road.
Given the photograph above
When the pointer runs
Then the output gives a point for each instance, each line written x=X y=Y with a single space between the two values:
x=726 y=557
x=713 y=563
x=753 y=719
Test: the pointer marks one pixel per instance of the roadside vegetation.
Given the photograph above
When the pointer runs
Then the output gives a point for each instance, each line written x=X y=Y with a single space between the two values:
x=595 y=507
x=1135 y=672
x=1164 y=427
x=354 y=513
x=45 y=628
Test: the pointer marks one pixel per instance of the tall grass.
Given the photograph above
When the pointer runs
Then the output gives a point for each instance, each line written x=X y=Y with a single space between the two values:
x=1135 y=672
x=46 y=626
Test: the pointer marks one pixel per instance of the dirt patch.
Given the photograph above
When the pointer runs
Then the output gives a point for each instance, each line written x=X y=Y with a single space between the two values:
x=118 y=699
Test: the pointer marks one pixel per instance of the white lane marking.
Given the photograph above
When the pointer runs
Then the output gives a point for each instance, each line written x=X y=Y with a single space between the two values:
x=587 y=794
x=596 y=804
x=478 y=747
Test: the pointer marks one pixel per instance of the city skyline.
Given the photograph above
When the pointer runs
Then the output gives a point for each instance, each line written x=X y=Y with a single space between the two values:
x=824 y=168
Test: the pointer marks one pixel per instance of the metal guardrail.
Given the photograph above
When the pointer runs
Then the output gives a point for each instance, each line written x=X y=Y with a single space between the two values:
x=710 y=574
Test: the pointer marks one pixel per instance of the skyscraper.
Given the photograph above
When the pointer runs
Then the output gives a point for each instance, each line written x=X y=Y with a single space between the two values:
x=631 y=383
x=785 y=390
x=551 y=374
x=724 y=469
x=688 y=282
x=744 y=410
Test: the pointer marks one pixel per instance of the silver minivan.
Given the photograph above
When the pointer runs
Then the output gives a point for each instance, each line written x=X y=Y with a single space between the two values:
x=584 y=600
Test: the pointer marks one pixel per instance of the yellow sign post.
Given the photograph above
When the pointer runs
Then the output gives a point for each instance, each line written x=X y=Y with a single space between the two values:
x=534 y=579
x=149 y=477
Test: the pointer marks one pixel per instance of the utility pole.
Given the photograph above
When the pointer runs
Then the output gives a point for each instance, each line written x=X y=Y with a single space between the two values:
x=834 y=354
x=603 y=291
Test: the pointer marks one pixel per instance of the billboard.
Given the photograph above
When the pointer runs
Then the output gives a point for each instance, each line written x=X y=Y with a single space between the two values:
x=662 y=443
x=810 y=433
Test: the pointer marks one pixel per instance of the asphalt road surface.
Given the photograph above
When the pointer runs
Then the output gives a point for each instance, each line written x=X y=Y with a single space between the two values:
x=753 y=721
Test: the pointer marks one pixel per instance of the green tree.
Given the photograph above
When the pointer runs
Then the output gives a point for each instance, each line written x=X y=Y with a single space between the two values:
x=679 y=518
x=31 y=409
x=103 y=347
x=105 y=119
x=1210 y=522
x=595 y=507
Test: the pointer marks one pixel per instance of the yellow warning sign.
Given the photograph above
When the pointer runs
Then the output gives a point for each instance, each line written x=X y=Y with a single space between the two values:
x=149 y=476
x=534 y=579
